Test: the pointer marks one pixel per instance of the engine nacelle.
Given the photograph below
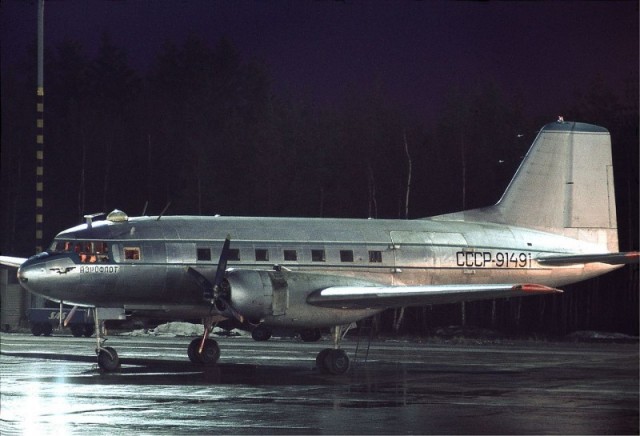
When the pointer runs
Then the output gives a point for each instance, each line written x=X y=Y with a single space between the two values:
x=251 y=293
x=280 y=298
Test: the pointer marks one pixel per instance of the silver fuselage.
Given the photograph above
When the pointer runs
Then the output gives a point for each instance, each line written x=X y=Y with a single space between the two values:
x=342 y=251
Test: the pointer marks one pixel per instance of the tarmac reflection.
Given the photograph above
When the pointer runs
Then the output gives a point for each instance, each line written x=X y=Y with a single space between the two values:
x=272 y=388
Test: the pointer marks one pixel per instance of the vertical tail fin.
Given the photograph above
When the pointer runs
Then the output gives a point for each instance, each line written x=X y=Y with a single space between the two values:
x=564 y=185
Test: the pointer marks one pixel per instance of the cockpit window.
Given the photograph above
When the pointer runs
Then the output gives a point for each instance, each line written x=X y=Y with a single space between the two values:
x=88 y=251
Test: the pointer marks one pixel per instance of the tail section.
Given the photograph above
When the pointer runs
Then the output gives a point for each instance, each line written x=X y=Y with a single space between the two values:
x=564 y=186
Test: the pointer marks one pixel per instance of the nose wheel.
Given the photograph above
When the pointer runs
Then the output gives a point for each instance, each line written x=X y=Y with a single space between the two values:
x=108 y=359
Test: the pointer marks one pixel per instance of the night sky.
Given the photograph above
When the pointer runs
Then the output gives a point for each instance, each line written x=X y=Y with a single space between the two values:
x=322 y=50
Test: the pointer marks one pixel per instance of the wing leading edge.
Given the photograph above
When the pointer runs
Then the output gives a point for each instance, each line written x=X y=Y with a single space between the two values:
x=369 y=297
x=14 y=262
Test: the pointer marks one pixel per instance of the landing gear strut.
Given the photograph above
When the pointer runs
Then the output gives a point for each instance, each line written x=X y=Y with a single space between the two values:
x=108 y=359
x=334 y=360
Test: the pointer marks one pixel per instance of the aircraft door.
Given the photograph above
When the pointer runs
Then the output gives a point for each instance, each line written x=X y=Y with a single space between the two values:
x=414 y=257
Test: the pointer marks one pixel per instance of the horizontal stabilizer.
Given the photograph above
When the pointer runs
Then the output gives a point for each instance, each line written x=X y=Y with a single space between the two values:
x=12 y=261
x=608 y=258
x=369 y=297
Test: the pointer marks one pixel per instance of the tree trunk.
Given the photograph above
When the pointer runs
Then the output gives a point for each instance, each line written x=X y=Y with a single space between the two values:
x=409 y=170
x=373 y=203
x=398 y=315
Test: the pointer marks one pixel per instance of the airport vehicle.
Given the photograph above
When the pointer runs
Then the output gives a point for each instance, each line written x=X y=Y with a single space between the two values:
x=555 y=224
x=43 y=320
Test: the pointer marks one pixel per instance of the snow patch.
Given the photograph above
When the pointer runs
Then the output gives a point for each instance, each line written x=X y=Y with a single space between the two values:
x=179 y=329
x=590 y=335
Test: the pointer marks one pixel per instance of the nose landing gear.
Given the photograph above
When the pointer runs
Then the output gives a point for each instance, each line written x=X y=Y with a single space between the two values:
x=108 y=359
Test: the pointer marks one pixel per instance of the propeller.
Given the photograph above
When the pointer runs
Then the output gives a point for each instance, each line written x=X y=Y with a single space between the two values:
x=218 y=291
x=222 y=267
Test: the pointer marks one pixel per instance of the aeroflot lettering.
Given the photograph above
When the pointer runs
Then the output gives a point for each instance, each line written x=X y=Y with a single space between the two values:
x=100 y=269
x=489 y=259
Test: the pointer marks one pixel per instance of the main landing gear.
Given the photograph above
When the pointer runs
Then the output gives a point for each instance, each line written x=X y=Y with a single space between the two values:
x=334 y=360
x=204 y=351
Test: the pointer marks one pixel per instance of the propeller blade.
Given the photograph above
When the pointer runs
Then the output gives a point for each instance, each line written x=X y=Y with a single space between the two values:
x=203 y=282
x=222 y=263
x=227 y=306
x=214 y=291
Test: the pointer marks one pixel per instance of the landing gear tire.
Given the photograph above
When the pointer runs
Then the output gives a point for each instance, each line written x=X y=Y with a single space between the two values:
x=77 y=330
x=210 y=353
x=332 y=361
x=310 y=335
x=108 y=359
x=36 y=329
x=261 y=334
x=320 y=360
x=89 y=329
x=192 y=351
x=336 y=362
x=47 y=329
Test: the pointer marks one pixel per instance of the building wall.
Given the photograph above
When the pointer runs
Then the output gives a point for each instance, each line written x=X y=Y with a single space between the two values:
x=13 y=301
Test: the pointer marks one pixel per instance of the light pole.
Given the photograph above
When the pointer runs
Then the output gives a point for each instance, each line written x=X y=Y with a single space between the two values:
x=40 y=132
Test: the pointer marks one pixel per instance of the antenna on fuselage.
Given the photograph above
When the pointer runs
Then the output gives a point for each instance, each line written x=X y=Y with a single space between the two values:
x=144 y=209
x=89 y=218
x=163 y=211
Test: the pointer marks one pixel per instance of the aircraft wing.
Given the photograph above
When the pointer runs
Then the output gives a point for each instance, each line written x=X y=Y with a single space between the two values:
x=608 y=258
x=12 y=261
x=368 y=297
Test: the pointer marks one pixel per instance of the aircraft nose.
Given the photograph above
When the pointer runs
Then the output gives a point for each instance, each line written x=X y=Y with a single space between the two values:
x=31 y=271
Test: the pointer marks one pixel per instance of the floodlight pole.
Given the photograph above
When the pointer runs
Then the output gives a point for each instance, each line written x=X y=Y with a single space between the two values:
x=40 y=132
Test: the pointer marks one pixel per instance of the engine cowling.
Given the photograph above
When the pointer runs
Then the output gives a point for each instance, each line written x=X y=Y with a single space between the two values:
x=251 y=293
x=279 y=297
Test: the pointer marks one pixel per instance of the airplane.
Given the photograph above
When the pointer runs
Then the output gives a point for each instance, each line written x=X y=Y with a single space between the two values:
x=555 y=224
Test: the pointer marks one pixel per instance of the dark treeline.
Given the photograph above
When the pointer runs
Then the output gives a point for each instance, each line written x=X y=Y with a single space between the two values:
x=204 y=130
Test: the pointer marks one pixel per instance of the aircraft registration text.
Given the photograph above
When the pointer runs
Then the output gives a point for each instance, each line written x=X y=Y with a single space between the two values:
x=104 y=269
x=490 y=259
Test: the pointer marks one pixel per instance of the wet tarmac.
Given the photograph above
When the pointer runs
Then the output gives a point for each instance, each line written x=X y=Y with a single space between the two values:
x=52 y=386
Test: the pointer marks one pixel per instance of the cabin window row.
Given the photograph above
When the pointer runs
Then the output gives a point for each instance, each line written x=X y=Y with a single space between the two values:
x=263 y=255
x=98 y=252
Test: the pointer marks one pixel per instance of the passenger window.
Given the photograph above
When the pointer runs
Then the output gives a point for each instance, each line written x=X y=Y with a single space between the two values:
x=346 y=255
x=234 y=254
x=375 y=256
x=317 y=256
x=262 y=255
x=87 y=251
x=131 y=253
x=204 y=254
x=290 y=255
